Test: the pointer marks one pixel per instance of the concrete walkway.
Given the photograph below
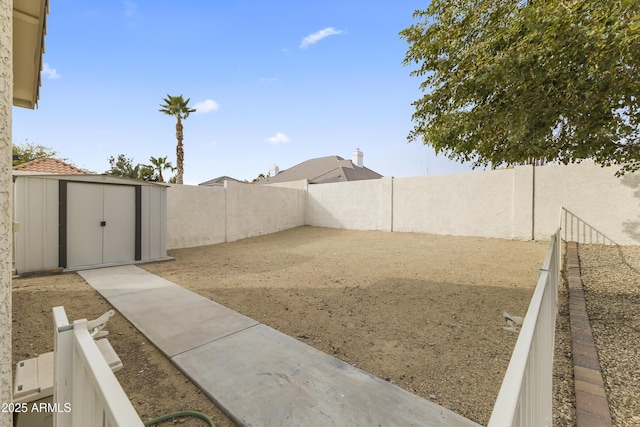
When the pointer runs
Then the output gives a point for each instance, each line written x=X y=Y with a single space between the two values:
x=257 y=375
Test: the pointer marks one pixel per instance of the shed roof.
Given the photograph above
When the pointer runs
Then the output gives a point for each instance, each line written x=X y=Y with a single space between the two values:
x=90 y=178
x=48 y=165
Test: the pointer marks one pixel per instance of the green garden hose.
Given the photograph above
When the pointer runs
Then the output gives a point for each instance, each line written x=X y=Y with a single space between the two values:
x=181 y=414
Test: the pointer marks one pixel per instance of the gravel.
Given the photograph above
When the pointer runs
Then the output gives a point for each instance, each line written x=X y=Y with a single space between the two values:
x=611 y=279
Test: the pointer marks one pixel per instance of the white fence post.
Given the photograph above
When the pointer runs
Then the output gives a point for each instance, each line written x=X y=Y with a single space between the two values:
x=84 y=382
x=62 y=364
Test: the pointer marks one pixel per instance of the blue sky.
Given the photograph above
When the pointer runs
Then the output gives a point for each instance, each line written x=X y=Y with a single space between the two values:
x=274 y=82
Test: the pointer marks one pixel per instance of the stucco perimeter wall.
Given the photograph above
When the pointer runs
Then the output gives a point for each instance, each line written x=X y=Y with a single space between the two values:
x=205 y=215
x=514 y=203
x=253 y=210
x=196 y=216
x=469 y=204
x=500 y=203
x=356 y=205
x=593 y=193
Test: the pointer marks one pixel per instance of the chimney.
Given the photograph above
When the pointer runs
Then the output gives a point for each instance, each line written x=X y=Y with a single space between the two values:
x=274 y=170
x=356 y=158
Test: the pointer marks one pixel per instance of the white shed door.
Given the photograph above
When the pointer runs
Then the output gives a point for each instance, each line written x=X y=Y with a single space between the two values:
x=100 y=224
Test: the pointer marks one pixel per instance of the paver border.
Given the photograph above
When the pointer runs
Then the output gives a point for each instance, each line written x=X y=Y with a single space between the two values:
x=592 y=407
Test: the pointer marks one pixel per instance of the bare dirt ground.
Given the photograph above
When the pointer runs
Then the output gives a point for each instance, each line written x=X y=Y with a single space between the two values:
x=421 y=311
x=153 y=384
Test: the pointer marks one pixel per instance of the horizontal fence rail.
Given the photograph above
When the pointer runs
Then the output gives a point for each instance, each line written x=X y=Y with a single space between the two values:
x=575 y=229
x=525 y=397
x=84 y=385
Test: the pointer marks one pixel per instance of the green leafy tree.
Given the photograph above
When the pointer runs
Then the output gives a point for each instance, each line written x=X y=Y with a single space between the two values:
x=123 y=166
x=159 y=165
x=178 y=107
x=259 y=178
x=506 y=81
x=23 y=153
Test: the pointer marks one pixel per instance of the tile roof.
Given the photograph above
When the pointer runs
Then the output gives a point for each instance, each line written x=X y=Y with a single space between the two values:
x=323 y=170
x=49 y=165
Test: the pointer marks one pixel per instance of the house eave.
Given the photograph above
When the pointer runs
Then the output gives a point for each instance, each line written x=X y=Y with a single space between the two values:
x=29 y=30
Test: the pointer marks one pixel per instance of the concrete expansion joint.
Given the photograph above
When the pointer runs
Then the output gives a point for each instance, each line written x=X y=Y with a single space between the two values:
x=592 y=407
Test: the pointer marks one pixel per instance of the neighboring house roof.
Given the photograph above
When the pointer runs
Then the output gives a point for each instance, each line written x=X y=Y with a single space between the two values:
x=48 y=165
x=29 y=29
x=219 y=181
x=323 y=170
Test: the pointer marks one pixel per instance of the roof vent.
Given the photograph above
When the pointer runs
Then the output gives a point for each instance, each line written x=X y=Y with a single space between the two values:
x=356 y=157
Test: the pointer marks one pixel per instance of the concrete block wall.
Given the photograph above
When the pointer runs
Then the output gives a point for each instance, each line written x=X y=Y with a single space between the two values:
x=499 y=204
x=357 y=205
x=610 y=204
x=196 y=216
x=253 y=210
x=471 y=204
x=205 y=215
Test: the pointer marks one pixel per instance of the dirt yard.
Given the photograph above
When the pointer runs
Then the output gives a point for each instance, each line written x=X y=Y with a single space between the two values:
x=421 y=311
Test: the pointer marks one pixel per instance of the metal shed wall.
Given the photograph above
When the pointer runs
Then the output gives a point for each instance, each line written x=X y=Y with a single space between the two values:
x=37 y=214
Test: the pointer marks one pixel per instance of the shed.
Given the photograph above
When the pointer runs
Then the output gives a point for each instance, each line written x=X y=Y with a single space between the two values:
x=83 y=221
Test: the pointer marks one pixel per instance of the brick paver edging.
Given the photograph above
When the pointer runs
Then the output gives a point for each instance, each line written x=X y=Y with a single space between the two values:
x=592 y=408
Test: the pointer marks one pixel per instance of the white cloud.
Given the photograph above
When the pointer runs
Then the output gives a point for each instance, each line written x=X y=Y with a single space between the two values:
x=268 y=79
x=206 y=106
x=50 y=72
x=278 y=138
x=316 y=37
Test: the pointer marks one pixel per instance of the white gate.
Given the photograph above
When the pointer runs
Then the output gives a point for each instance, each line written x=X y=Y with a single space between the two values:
x=84 y=388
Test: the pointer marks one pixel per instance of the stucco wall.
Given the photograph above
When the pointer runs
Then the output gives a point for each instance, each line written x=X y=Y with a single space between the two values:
x=205 y=215
x=357 y=205
x=610 y=204
x=470 y=204
x=6 y=202
x=253 y=210
x=196 y=216
x=498 y=203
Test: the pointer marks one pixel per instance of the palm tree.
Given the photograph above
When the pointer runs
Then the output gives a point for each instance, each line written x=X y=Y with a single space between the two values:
x=178 y=107
x=159 y=165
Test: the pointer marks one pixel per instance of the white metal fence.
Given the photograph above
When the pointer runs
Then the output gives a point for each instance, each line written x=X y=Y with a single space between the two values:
x=86 y=393
x=525 y=397
x=575 y=229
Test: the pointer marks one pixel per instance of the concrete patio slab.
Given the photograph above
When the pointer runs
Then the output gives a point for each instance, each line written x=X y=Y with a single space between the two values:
x=257 y=375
